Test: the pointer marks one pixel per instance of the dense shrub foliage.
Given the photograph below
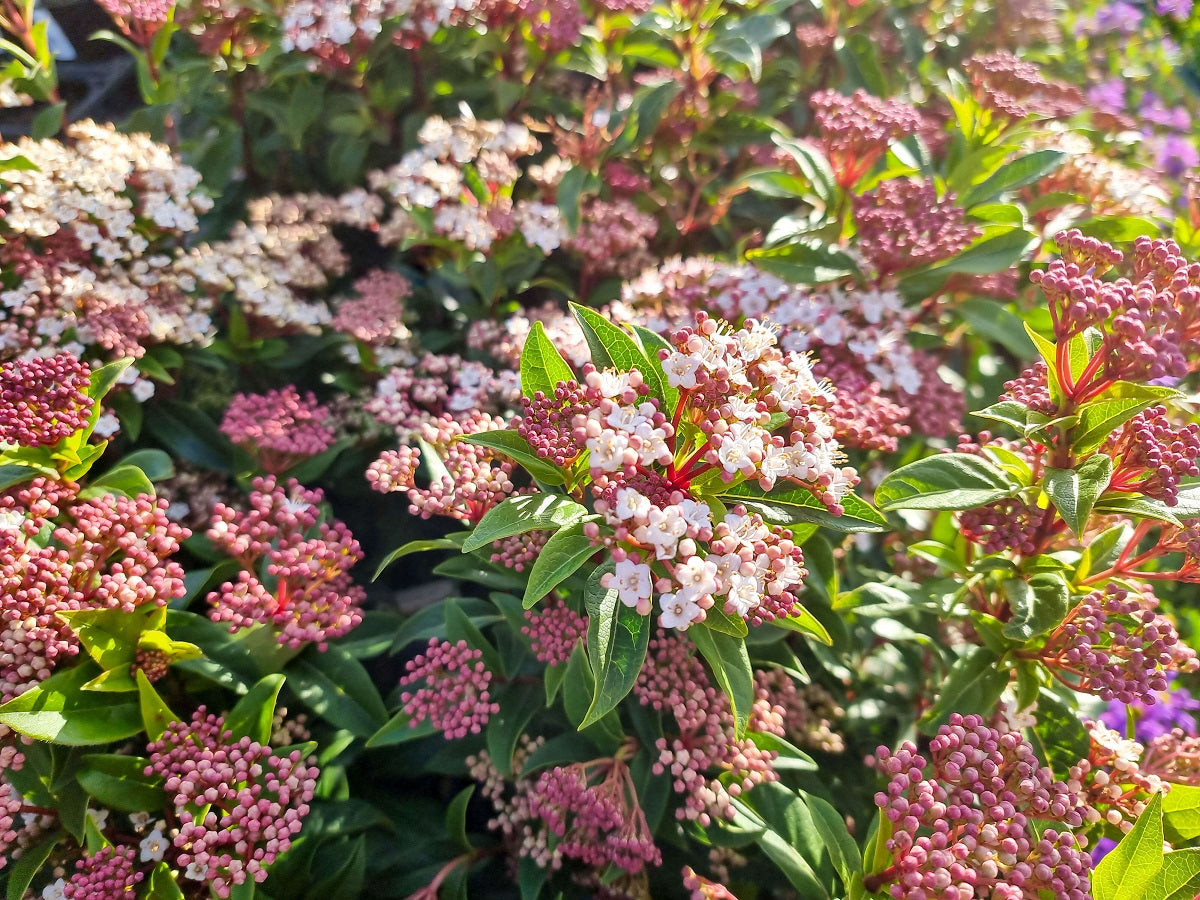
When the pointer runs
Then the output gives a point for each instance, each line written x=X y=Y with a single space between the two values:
x=602 y=448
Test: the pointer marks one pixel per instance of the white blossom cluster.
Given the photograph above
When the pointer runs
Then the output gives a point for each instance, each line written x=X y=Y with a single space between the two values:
x=436 y=188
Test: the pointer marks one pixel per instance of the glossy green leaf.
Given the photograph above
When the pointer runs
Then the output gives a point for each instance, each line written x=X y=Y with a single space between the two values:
x=973 y=685
x=613 y=347
x=945 y=481
x=1022 y=171
x=456 y=818
x=509 y=443
x=24 y=869
x=518 y=705
x=336 y=687
x=1038 y=605
x=1124 y=873
x=154 y=712
x=526 y=512
x=1074 y=491
x=252 y=716
x=418 y=546
x=617 y=639
x=789 y=507
x=120 y=782
x=1181 y=811
x=542 y=366
x=730 y=664
x=163 y=885
x=563 y=555
x=60 y=711
x=1101 y=417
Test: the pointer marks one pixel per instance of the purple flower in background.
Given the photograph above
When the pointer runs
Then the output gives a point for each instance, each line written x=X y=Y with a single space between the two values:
x=1173 y=710
x=1108 y=96
x=1175 y=117
x=1102 y=849
x=1175 y=155
x=1179 y=9
x=1119 y=17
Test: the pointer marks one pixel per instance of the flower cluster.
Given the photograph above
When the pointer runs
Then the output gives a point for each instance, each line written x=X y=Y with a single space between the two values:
x=1148 y=323
x=475 y=478
x=1013 y=88
x=554 y=630
x=279 y=428
x=108 y=873
x=251 y=801
x=903 y=224
x=1112 y=784
x=295 y=574
x=1153 y=455
x=43 y=400
x=453 y=695
x=856 y=130
x=613 y=238
x=967 y=828
x=705 y=747
x=458 y=186
x=441 y=386
x=337 y=34
x=375 y=318
x=1115 y=645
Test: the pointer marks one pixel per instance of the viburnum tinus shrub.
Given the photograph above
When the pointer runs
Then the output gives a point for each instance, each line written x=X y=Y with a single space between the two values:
x=106 y=791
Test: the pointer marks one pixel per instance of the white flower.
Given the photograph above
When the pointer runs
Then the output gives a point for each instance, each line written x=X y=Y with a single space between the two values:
x=663 y=531
x=196 y=871
x=608 y=451
x=55 y=891
x=140 y=820
x=631 y=504
x=696 y=513
x=681 y=370
x=677 y=612
x=99 y=818
x=632 y=581
x=745 y=593
x=696 y=578
x=153 y=846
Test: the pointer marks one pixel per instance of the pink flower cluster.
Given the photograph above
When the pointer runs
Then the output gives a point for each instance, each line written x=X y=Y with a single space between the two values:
x=476 y=479
x=1011 y=87
x=856 y=130
x=554 y=630
x=436 y=386
x=43 y=400
x=519 y=551
x=453 y=695
x=593 y=810
x=376 y=316
x=703 y=889
x=251 y=801
x=903 y=224
x=705 y=747
x=107 y=874
x=140 y=20
x=279 y=428
x=969 y=828
x=307 y=593
x=1113 y=783
x=1150 y=323
x=110 y=553
x=1153 y=455
x=613 y=238
x=337 y=34
x=1113 y=644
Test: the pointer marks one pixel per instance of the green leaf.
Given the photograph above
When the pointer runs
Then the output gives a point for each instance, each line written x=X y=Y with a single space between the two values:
x=459 y=627
x=60 y=711
x=120 y=782
x=1010 y=412
x=1137 y=507
x=22 y=871
x=1117 y=229
x=836 y=836
x=156 y=464
x=154 y=712
x=526 y=512
x=1022 y=171
x=128 y=480
x=48 y=122
x=790 y=507
x=718 y=620
x=945 y=481
x=111 y=636
x=399 y=729
x=804 y=622
x=859 y=55
x=1135 y=861
x=162 y=884
x=420 y=546
x=1179 y=877
x=336 y=687
x=573 y=183
x=995 y=321
x=1101 y=417
x=730 y=665
x=1181 y=811
x=614 y=347
x=542 y=366
x=567 y=550
x=254 y=713
x=617 y=639
x=974 y=684
x=518 y=705
x=456 y=818
x=510 y=444
x=15 y=474
x=1074 y=491
x=992 y=254
x=1037 y=605
x=804 y=261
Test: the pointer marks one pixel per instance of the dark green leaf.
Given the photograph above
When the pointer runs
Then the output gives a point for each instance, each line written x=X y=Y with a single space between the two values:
x=945 y=481
x=1037 y=605
x=567 y=550
x=60 y=711
x=1074 y=491
x=518 y=705
x=973 y=685
x=526 y=512
x=23 y=870
x=456 y=818
x=509 y=443
x=730 y=665
x=120 y=782
x=617 y=639
x=336 y=687
x=420 y=546
x=254 y=713
x=1101 y=417
x=789 y=507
